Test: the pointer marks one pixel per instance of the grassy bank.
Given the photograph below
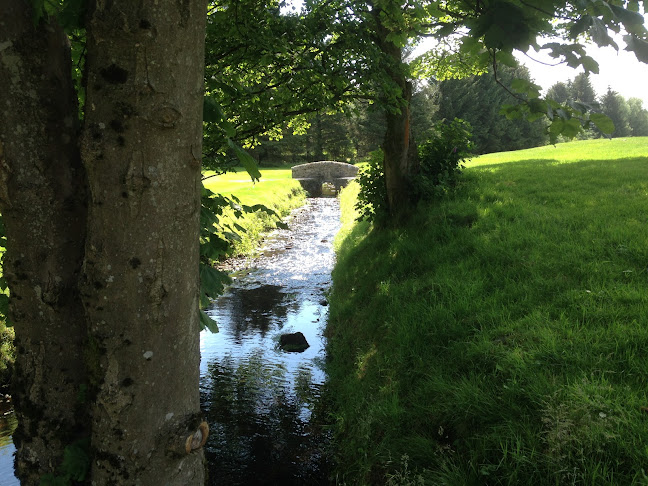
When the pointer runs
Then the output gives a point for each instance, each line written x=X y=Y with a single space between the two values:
x=276 y=190
x=500 y=337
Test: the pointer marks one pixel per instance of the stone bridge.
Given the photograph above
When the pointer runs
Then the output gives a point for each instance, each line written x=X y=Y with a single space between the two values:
x=314 y=174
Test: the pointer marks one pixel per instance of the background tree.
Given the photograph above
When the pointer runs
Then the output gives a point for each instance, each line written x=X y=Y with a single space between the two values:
x=478 y=100
x=637 y=117
x=425 y=108
x=268 y=71
x=471 y=37
x=102 y=251
x=559 y=92
x=615 y=106
x=581 y=90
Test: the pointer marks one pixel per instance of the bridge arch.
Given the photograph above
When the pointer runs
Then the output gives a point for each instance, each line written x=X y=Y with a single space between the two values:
x=311 y=176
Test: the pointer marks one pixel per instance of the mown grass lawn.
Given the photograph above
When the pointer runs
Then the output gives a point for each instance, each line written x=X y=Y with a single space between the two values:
x=276 y=190
x=501 y=336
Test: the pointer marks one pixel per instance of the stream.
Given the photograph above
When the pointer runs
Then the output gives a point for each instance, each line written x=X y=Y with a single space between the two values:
x=263 y=405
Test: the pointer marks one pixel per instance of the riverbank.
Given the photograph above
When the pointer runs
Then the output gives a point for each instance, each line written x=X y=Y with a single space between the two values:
x=500 y=336
x=276 y=190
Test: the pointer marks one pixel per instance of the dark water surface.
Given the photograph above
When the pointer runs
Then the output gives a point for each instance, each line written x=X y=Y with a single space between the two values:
x=263 y=405
x=7 y=449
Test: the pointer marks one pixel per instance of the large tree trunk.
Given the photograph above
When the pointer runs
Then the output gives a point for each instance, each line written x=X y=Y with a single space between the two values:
x=142 y=150
x=400 y=162
x=42 y=200
x=104 y=273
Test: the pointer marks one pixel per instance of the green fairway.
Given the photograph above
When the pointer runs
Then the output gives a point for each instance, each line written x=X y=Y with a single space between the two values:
x=601 y=149
x=500 y=337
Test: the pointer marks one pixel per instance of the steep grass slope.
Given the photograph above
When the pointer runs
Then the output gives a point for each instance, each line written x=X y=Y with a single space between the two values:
x=501 y=336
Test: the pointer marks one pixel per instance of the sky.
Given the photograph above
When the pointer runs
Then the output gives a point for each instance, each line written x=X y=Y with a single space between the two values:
x=621 y=70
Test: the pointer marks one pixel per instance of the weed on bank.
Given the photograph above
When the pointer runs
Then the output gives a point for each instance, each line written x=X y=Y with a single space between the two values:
x=501 y=336
x=276 y=190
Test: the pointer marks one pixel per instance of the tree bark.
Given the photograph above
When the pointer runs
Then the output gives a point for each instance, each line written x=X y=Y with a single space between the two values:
x=399 y=148
x=42 y=200
x=142 y=150
x=103 y=262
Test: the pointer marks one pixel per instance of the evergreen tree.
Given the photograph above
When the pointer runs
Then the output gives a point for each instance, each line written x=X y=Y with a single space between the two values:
x=425 y=107
x=580 y=89
x=478 y=100
x=615 y=106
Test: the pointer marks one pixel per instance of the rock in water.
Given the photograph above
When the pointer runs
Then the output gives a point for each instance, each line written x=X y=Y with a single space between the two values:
x=295 y=342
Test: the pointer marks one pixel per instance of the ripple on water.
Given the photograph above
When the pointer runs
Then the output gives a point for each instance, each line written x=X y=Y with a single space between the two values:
x=264 y=405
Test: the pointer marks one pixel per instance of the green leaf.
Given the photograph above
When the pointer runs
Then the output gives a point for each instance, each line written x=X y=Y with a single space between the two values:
x=589 y=64
x=600 y=35
x=602 y=122
x=212 y=113
x=212 y=281
x=556 y=126
x=246 y=159
x=526 y=87
x=38 y=10
x=4 y=309
x=207 y=322
x=214 y=247
x=638 y=46
x=571 y=128
x=73 y=14
x=580 y=26
x=630 y=19
x=507 y=58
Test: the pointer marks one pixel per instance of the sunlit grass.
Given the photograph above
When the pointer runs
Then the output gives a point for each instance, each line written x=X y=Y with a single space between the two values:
x=601 y=149
x=500 y=337
x=276 y=190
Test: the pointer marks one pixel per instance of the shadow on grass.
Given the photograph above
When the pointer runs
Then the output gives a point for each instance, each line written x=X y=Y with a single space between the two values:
x=497 y=338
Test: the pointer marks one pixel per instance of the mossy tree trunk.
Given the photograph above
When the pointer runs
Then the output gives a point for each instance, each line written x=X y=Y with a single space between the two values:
x=103 y=263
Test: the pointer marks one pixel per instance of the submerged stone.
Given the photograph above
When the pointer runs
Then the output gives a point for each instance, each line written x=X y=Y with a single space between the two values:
x=293 y=343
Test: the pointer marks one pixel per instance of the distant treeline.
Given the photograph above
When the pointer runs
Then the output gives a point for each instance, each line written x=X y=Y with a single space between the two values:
x=352 y=135
x=629 y=116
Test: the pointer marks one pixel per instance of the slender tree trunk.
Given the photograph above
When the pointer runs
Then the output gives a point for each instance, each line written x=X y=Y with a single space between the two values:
x=401 y=159
x=42 y=200
x=142 y=150
x=319 y=138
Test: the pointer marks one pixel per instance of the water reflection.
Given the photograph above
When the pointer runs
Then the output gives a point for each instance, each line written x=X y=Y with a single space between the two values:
x=7 y=426
x=264 y=405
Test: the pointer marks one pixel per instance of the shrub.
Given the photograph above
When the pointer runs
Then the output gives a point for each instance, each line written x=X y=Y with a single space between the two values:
x=441 y=158
x=372 y=199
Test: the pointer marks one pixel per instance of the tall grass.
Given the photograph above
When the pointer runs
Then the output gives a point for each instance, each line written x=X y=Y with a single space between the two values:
x=501 y=336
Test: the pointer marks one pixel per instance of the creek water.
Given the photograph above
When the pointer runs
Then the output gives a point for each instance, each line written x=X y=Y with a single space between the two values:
x=264 y=405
